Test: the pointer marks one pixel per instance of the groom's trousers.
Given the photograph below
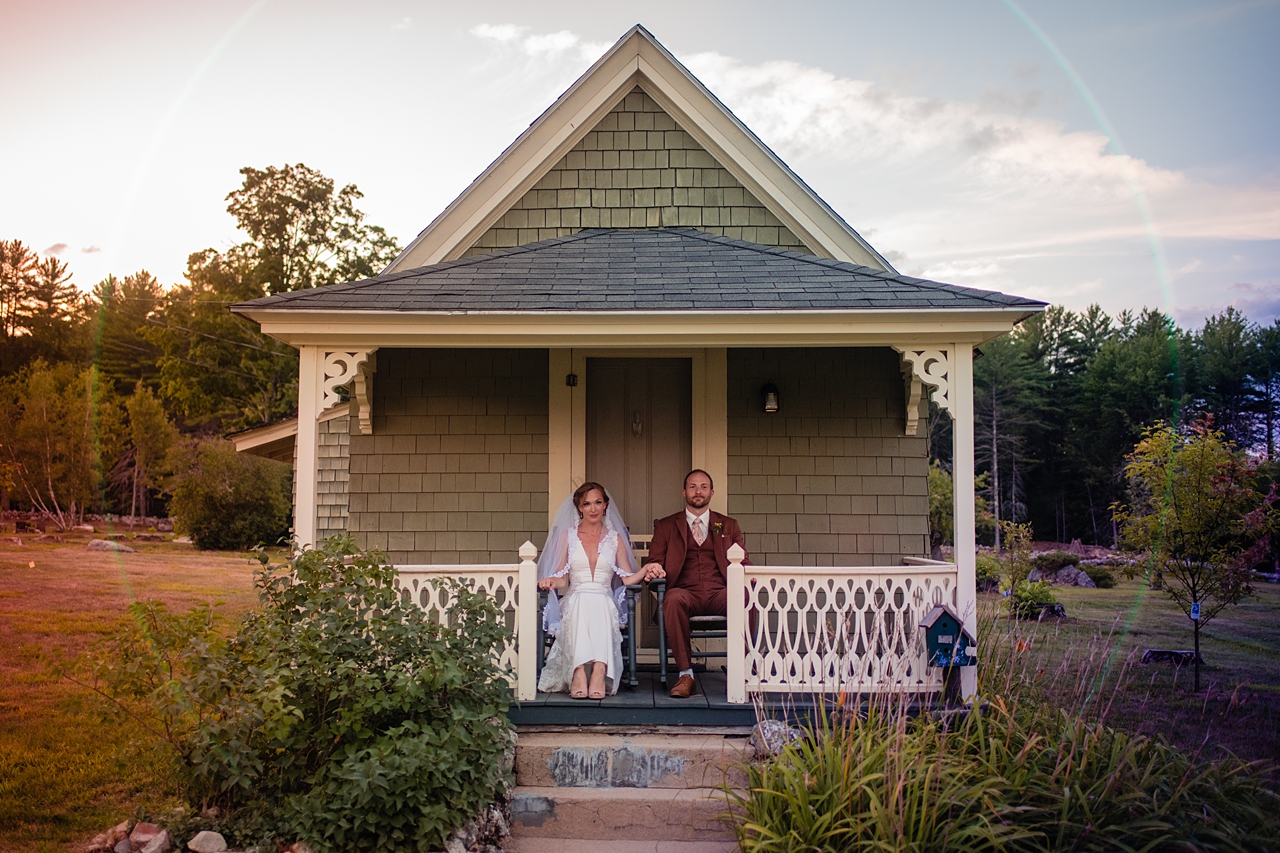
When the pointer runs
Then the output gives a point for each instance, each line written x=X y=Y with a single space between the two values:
x=678 y=605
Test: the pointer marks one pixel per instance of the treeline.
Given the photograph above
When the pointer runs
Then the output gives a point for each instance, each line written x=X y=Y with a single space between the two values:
x=100 y=392
x=1062 y=401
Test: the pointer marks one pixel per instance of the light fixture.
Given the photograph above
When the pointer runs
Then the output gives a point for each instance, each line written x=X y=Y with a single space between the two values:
x=769 y=394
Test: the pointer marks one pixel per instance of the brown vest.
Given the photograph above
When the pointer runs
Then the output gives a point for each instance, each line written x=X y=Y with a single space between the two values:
x=700 y=568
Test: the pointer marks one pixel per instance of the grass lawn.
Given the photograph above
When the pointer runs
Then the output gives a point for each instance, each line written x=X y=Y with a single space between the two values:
x=62 y=777
x=1108 y=630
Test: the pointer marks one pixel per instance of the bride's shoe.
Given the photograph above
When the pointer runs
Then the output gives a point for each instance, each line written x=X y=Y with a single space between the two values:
x=576 y=692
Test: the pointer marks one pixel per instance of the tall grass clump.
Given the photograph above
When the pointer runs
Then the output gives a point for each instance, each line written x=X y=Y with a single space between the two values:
x=1012 y=772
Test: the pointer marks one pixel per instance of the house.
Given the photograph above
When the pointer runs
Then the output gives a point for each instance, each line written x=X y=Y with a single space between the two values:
x=638 y=286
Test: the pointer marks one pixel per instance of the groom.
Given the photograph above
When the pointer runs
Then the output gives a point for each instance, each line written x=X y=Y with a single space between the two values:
x=689 y=550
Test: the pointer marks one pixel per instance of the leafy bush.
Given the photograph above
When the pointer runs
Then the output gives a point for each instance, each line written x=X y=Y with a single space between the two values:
x=337 y=714
x=1028 y=598
x=989 y=573
x=1100 y=575
x=1015 y=777
x=227 y=500
x=1051 y=561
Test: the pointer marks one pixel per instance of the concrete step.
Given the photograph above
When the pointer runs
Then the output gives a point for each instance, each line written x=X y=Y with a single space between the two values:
x=577 y=760
x=638 y=814
x=592 y=845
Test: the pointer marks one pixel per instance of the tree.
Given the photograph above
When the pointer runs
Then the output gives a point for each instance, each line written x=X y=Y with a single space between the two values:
x=1225 y=359
x=57 y=426
x=215 y=368
x=151 y=436
x=122 y=348
x=303 y=235
x=1008 y=394
x=1192 y=507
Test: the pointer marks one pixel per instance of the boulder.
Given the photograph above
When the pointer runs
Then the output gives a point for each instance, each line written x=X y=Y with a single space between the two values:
x=83 y=528
x=1072 y=576
x=207 y=842
x=106 y=545
x=121 y=830
x=159 y=843
x=143 y=832
x=124 y=845
x=770 y=736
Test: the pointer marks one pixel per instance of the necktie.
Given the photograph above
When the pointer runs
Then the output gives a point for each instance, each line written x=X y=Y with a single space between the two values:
x=699 y=534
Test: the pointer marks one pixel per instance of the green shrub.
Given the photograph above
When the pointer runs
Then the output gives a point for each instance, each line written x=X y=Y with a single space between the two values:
x=337 y=714
x=1051 y=561
x=1100 y=575
x=1015 y=777
x=1028 y=597
x=227 y=500
x=989 y=573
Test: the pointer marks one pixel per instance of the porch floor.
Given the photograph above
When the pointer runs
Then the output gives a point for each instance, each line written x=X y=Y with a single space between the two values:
x=649 y=704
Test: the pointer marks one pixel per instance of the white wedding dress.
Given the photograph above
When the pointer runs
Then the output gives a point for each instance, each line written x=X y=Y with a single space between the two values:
x=588 y=629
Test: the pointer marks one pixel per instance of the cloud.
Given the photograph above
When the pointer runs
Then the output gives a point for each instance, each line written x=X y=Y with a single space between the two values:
x=55 y=249
x=90 y=250
x=403 y=24
x=541 y=46
x=1259 y=301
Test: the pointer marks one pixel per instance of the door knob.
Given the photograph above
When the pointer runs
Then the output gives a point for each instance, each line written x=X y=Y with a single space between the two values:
x=637 y=426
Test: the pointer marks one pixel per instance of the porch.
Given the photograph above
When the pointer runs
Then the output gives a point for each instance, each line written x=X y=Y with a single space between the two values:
x=797 y=635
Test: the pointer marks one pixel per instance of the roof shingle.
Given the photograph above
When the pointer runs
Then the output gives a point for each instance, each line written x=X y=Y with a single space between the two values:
x=647 y=270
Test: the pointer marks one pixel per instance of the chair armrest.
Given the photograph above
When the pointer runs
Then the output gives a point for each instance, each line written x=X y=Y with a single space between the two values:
x=658 y=584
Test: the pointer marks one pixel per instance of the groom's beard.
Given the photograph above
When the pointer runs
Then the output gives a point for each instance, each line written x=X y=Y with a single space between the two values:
x=697 y=501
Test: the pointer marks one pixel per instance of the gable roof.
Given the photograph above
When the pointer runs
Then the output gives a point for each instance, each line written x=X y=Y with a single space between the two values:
x=637 y=60
x=662 y=270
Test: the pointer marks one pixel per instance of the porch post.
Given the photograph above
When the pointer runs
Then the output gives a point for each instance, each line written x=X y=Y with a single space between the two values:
x=310 y=377
x=735 y=625
x=527 y=625
x=962 y=499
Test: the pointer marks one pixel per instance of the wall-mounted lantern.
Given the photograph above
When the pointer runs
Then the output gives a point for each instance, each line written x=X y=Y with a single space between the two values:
x=770 y=399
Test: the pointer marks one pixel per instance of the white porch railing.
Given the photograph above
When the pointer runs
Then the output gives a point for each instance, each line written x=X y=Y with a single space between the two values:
x=509 y=585
x=819 y=629
x=803 y=629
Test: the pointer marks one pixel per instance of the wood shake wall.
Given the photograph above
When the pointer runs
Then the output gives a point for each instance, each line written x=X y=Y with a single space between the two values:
x=830 y=479
x=637 y=169
x=456 y=468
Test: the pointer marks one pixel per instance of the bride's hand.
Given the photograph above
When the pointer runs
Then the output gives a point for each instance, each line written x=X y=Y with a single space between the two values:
x=547 y=583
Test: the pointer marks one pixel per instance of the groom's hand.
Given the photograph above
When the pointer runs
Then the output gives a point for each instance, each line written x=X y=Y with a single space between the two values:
x=654 y=570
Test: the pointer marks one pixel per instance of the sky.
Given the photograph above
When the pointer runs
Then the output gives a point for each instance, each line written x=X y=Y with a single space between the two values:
x=1125 y=154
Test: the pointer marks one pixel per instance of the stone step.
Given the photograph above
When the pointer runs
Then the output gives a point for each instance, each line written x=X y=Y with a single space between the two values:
x=637 y=814
x=592 y=845
x=576 y=760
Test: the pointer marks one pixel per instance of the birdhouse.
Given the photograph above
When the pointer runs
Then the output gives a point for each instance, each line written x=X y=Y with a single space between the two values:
x=946 y=640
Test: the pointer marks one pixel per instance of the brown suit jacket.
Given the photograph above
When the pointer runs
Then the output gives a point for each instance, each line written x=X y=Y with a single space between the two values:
x=671 y=538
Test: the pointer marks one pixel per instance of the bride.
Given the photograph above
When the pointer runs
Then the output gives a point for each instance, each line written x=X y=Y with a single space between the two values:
x=589 y=551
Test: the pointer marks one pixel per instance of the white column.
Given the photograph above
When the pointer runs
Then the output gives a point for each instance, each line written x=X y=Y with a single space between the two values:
x=962 y=497
x=527 y=617
x=736 y=628
x=305 y=471
x=559 y=429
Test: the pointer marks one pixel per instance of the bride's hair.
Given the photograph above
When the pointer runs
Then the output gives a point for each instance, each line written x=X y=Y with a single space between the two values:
x=586 y=488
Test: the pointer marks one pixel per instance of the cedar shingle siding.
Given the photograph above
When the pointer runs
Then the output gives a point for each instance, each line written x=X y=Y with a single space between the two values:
x=637 y=169
x=830 y=479
x=332 y=477
x=456 y=468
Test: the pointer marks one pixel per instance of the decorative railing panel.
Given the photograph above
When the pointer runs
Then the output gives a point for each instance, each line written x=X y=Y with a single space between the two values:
x=503 y=582
x=824 y=629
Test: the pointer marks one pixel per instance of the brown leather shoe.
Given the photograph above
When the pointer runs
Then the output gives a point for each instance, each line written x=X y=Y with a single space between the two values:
x=685 y=687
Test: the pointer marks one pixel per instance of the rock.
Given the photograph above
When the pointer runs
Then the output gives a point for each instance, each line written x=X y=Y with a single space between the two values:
x=1071 y=576
x=770 y=736
x=124 y=845
x=149 y=537
x=182 y=540
x=104 y=545
x=1177 y=657
x=207 y=842
x=1035 y=576
x=159 y=843
x=15 y=540
x=143 y=833
x=299 y=847
x=121 y=830
x=165 y=525
x=99 y=842
x=83 y=528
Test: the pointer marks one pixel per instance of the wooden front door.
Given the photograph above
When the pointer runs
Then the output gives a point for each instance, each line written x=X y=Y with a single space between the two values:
x=640 y=442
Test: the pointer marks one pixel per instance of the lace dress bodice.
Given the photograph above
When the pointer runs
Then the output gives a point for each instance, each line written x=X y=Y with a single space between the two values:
x=580 y=579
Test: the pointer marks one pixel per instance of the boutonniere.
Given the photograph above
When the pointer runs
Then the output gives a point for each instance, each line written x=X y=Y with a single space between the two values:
x=717 y=528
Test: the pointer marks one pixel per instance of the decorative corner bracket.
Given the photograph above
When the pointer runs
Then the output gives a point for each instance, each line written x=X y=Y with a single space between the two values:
x=926 y=366
x=352 y=369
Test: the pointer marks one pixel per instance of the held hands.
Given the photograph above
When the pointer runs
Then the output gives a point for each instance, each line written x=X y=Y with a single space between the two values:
x=549 y=583
x=652 y=571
